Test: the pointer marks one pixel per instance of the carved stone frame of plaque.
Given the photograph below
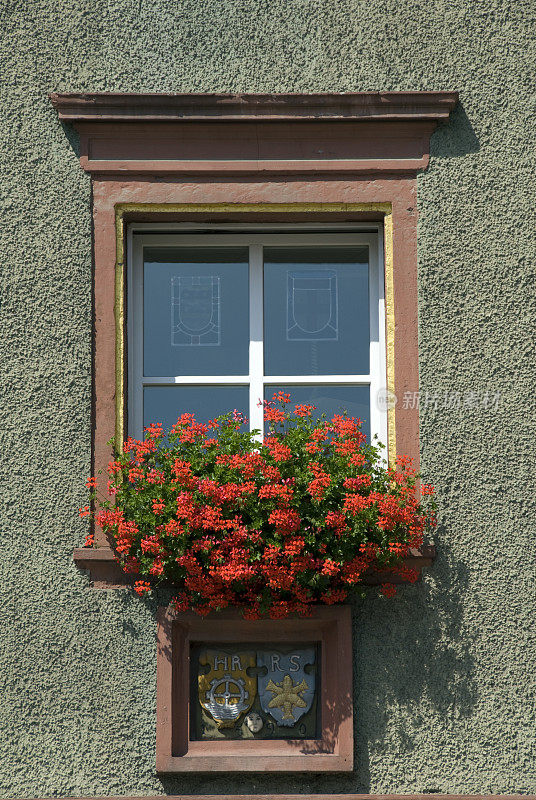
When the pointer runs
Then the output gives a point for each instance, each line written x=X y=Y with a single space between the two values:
x=181 y=638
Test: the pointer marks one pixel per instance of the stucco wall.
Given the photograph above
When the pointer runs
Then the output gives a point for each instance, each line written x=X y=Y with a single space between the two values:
x=444 y=673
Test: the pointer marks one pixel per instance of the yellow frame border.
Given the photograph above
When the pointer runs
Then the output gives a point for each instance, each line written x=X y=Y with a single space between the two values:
x=282 y=208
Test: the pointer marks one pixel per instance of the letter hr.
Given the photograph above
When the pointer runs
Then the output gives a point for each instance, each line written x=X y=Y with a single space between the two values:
x=224 y=661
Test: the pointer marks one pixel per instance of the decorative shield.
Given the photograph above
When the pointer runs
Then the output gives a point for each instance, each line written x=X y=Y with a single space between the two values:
x=312 y=305
x=195 y=310
x=286 y=692
x=226 y=691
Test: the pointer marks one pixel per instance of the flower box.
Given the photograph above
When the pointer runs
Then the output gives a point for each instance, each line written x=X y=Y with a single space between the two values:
x=306 y=516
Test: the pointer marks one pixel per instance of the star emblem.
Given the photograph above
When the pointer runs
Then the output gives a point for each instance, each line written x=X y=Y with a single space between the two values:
x=287 y=695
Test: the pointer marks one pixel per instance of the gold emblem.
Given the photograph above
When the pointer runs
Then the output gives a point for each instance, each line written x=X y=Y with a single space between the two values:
x=226 y=691
x=286 y=695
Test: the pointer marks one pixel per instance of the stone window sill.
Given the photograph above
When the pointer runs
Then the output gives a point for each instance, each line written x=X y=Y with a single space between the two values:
x=105 y=573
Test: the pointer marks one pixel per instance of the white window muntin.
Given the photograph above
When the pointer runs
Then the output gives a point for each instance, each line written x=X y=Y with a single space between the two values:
x=256 y=379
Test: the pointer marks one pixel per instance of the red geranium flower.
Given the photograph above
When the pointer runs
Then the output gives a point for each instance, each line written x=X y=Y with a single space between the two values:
x=272 y=528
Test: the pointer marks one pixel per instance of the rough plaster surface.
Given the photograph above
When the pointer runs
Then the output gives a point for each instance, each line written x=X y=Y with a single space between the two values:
x=445 y=686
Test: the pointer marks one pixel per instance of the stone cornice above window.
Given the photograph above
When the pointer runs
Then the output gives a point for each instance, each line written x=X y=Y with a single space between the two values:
x=241 y=134
x=387 y=106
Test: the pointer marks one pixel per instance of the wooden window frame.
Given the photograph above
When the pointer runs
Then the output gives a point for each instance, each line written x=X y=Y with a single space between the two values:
x=256 y=379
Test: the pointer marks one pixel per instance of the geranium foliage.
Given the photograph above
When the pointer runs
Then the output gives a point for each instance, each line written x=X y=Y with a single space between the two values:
x=272 y=527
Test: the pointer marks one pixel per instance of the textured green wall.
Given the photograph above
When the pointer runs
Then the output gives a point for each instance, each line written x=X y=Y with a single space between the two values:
x=444 y=673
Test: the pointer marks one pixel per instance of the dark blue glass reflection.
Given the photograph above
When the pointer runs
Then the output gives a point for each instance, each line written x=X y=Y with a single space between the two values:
x=165 y=403
x=330 y=400
x=195 y=311
x=316 y=311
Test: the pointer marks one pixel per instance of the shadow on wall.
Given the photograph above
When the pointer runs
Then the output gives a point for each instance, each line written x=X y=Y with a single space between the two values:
x=454 y=138
x=413 y=662
x=72 y=137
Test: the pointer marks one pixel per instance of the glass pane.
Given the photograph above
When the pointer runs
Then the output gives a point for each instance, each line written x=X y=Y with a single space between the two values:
x=316 y=311
x=165 y=403
x=195 y=311
x=330 y=400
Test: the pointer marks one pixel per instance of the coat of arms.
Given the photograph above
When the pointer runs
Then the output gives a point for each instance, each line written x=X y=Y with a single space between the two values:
x=286 y=691
x=226 y=691
x=312 y=305
x=195 y=310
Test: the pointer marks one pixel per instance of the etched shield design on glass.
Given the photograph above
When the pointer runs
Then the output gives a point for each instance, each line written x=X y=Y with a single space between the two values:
x=195 y=310
x=287 y=692
x=312 y=305
x=226 y=691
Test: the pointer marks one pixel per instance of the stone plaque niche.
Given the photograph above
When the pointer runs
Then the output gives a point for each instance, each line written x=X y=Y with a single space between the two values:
x=255 y=691
x=254 y=695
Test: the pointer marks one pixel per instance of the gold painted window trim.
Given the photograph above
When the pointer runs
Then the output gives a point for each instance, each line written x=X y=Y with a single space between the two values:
x=123 y=209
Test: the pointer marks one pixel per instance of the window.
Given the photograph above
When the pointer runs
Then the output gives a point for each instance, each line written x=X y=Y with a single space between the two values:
x=218 y=319
x=254 y=170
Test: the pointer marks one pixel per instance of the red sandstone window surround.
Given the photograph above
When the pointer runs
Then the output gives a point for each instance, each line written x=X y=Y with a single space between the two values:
x=329 y=158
